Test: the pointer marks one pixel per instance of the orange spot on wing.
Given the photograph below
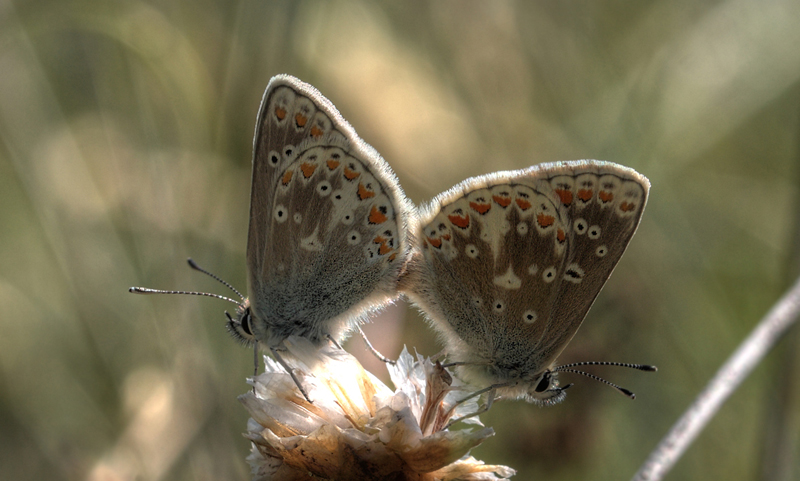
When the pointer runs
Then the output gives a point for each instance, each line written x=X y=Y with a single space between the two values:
x=332 y=164
x=480 y=208
x=287 y=177
x=585 y=194
x=501 y=200
x=384 y=249
x=379 y=239
x=393 y=257
x=350 y=174
x=376 y=216
x=565 y=196
x=435 y=242
x=561 y=236
x=627 y=206
x=364 y=193
x=545 y=220
x=606 y=196
x=523 y=204
x=459 y=221
x=301 y=120
x=308 y=169
x=280 y=113
x=446 y=237
x=316 y=132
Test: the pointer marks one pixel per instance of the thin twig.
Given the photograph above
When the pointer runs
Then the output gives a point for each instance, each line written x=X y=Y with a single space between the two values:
x=727 y=379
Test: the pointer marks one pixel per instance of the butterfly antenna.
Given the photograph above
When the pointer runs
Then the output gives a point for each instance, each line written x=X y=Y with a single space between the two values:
x=194 y=266
x=145 y=290
x=596 y=378
x=640 y=367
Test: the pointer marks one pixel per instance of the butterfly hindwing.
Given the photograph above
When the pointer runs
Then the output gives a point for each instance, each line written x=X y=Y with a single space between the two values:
x=327 y=218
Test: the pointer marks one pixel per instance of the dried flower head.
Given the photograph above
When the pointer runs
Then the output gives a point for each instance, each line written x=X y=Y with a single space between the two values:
x=356 y=427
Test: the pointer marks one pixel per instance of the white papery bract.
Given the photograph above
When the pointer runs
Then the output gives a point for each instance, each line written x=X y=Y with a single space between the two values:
x=356 y=427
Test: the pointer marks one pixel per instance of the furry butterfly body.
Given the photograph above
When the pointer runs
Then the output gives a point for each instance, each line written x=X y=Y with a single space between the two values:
x=507 y=265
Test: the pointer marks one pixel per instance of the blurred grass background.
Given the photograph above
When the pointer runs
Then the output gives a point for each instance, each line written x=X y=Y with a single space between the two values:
x=125 y=147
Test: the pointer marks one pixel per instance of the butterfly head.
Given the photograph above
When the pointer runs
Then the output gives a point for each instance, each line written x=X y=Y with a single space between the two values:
x=545 y=391
x=241 y=326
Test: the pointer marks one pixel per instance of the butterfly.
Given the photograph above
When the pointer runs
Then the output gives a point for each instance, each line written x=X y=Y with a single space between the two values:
x=328 y=232
x=328 y=236
x=506 y=266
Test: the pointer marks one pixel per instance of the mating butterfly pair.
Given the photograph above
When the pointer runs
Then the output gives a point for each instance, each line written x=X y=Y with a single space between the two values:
x=505 y=266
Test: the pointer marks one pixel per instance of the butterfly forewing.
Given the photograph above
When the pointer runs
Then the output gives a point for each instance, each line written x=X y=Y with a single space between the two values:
x=327 y=218
x=510 y=263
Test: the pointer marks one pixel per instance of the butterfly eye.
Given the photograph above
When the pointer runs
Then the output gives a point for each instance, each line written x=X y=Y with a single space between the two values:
x=544 y=384
x=246 y=324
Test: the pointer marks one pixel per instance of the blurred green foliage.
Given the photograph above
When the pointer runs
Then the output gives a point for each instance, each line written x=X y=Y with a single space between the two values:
x=125 y=143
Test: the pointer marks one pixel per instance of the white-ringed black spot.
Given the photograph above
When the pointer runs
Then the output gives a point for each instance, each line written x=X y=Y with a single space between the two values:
x=274 y=158
x=574 y=274
x=529 y=316
x=353 y=238
x=337 y=196
x=348 y=218
x=522 y=228
x=471 y=251
x=280 y=214
x=297 y=217
x=580 y=226
x=324 y=188
x=477 y=301
x=601 y=251
x=549 y=274
x=594 y=232
x=498 y=305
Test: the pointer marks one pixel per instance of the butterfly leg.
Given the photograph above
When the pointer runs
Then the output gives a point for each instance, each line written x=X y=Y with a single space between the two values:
x=375 y=351
x=492 y=390
x=255 y=363
x=330 y=338
x=291 y=373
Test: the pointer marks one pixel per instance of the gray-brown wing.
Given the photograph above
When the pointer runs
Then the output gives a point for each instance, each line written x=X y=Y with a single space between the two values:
x=327 y=217
x=504 y=275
